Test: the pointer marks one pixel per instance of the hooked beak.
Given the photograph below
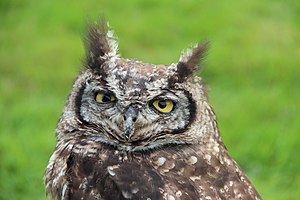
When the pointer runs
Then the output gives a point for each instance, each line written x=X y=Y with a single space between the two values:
x=130 y=117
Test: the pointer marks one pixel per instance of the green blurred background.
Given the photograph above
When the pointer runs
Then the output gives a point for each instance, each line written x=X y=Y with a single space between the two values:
x=252 y=72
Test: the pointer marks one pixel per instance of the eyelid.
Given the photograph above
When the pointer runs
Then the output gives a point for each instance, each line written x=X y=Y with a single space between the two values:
x=104 y=92
x=165 y=98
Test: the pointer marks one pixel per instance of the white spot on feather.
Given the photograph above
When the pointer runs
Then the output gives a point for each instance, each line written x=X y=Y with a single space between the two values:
x=172 y=166
x=64 y=191
x=178 y=193
x=110 y=170
x=193 y=160
x=208 y=158
x=135 y=190
x=161 y=161
x=170 y=197
x=194 y=178
x=216 y=149
x=180 y=172
x=126 y=195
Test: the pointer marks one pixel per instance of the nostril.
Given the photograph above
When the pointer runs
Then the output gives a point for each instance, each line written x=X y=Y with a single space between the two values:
x=125 y=118
x=134 y=119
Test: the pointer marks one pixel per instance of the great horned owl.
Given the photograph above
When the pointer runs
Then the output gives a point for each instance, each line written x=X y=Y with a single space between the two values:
x=132 y=130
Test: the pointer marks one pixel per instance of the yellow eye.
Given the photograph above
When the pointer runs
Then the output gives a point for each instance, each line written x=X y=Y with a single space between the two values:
x=163 y=105
x=102 y=97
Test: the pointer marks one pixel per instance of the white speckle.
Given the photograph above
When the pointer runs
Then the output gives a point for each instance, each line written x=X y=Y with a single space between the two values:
x=242 y=178
x=178 y=193
x=64 y=191
x=193 y=160
x=208 y=158
x=122 y=158
x=208 y=198
x=226 y=188
x=250 y=190
x=161 y=161
x=148 y=199
x=194 y=178
x=230 y=183
x=84 y=184
x=110 y=170
x=228 y=162
x=216 y=149
x=172 y=165
x=135 y=190
x=126 y=195
x=103 y=156
x=180 y=172
x=170 y=197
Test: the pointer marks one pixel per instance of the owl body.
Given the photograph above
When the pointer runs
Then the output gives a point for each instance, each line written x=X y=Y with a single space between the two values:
x=132 y=130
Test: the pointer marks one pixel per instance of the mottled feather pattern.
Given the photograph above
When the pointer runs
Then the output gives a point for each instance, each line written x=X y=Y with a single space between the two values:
x=127 y=148
x=183 y=172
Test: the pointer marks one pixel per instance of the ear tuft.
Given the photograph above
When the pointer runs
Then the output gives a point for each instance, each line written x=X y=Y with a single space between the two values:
x=193 y=56
x=101 y=45
x=188 y=63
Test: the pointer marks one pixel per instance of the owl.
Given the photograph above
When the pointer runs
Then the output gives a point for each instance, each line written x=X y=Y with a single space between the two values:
x=132 y=130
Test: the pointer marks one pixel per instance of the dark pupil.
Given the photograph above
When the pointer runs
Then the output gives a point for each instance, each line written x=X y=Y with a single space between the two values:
x=106 y=98
x=162 y=104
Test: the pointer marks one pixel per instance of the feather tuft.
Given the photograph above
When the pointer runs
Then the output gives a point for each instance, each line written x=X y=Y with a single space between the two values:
x=101 y=47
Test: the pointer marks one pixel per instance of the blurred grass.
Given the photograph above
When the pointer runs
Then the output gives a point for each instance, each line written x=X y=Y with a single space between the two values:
x=252 y=71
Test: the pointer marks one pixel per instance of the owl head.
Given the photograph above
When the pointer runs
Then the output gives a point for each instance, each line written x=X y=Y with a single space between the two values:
x=134 y=106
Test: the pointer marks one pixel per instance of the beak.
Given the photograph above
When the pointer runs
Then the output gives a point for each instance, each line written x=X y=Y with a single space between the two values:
x=130 y=117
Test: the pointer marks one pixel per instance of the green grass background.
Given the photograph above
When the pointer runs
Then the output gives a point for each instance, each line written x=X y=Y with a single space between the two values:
x=252 y=72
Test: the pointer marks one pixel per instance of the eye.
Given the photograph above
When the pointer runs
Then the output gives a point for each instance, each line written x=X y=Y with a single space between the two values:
x=163 y=105
x=104 y=97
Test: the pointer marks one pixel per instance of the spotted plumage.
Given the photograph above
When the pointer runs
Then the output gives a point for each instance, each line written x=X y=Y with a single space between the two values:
x=132 y=130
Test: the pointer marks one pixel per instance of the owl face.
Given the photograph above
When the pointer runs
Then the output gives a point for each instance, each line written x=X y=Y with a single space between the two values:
x=129 y=104
x=133 y=106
